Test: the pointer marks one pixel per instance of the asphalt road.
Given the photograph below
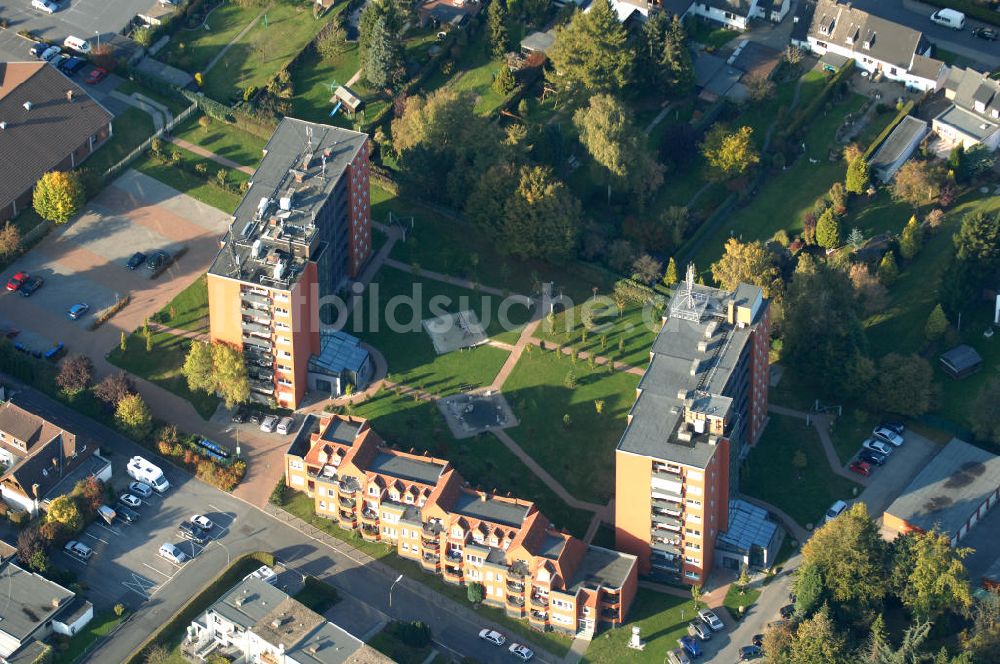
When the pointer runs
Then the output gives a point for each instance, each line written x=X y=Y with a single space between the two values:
x=917 y=16
x=364 y=584
x=92 y=20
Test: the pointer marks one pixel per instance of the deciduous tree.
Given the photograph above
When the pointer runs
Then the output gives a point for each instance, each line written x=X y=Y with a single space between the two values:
x=729 y=153
x=818 y=640
x=748 y=263
x=113 y=387
x=64 y=510
x=857 y=175
x=938 y=582
x=58 y=196
x=937 y=324
x=808 y=590
x=198 y=367
x=230 y=372
x=332 y=42
x=647 y=269
x=10 y=240
x=917 y=183
x=591 y=54
x=132 y=415
x=904 y=384
x=75 y=374
x=543 y=219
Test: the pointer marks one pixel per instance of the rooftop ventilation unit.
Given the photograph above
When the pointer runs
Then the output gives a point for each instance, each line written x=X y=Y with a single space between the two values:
x=279 y=271
x=285 y=203
x=3 y=124
x=262 y=207
x=257 y=249
x=27 y=105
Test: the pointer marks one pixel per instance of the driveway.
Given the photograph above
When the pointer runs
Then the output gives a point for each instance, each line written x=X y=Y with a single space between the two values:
x=84 y=261
x=160 y=591
x=887 y=482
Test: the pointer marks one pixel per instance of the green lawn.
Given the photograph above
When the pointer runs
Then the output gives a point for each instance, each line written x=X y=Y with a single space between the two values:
x=636 y=329
x=769 y=472
x=734 y=600
x=302 y=506
x=130 y=129
x=190 y=183
x=408 y=349
x=447 y=245
x=315 y=80
x=850 y=430
x=662 y=620
x=163 y=366
x=581 y=455
x=387 y=643
x=483 y=460
x=174 y=102
x=224 y=139
x=189 y=308
x=99 y=627
x=192 y=50
x=711 y=36
x=264 y=49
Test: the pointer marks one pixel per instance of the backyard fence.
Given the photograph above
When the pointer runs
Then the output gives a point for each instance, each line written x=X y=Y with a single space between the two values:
x=134 y=154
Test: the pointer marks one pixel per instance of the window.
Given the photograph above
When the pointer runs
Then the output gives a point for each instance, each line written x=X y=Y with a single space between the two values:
x=298 y=480
x=692 y=531
x=692 y=575
x=295 y=464
x=322 y=504
x=693 y=503
x=692 y=560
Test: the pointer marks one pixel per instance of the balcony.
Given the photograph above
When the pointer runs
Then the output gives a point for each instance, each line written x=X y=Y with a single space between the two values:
x=666 y=564
x=261 y=373
x=262 y=387
x=539 y=601
x=518 y=570
x=349 y=503
x=257 y=344
x=666 y=548
x=451 y=570
x=515 y=586
x=668 y=475
x=454 y=555
x=256 y=315
x=515 y=601
x=539 y=616
x=675 y=511
x=369 y=532
x=254 y=298
x=431 y=559
x=431 y=545
x=667 y=521
x=256 y=328
x=366 y=514
x=347 y=517
x=347 y=488
x=611 y=615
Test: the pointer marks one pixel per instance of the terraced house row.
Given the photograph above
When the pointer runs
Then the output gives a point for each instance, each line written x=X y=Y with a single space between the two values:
x=424 y=507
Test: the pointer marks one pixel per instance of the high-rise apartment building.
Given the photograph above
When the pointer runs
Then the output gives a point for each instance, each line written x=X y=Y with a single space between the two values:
x=429 y=514
x=700 y=404
x=301 y=231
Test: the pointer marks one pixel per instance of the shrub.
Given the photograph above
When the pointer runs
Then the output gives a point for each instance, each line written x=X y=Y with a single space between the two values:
x=280 y=493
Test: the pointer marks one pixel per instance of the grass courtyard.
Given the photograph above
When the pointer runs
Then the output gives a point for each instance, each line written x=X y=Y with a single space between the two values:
x=580 y=455
x=191 y=49
x=805 y=491
x=130 y=128
x=483 y=460
x=661 y=618
x=189 y=308
x=163 y=365
x=186 y=181
x=225 y=140
x=634 y=331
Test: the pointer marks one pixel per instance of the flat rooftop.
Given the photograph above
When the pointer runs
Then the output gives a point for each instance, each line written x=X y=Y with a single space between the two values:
x=601 y=567
x=406 y=468
x=968 y=123
x=899 y=141
x=949 y=489
x=29 y=601
x=341 y=431
x=490 y=509
x=273 y=231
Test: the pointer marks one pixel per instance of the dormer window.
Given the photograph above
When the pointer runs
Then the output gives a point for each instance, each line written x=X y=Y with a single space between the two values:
x=869 y=41
x=980 y=107
x=373 y=490
x=409 y=499
x=853 y=37
x=995 y=112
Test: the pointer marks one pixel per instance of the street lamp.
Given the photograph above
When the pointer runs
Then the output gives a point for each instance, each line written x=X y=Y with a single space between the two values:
x=98 y=33
x=398 y=579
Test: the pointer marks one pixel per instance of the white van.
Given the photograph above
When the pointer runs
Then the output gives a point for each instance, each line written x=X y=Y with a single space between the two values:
x=949 y=18
x=140 y=469
x=77 y=44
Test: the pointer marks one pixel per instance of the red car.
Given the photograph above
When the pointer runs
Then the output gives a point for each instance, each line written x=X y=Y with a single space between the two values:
x=861 y=468
x=96 y=75
x=17 y=281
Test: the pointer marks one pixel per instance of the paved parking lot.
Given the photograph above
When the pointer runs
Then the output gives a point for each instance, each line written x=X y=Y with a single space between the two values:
x=82 y=18
x=84 y=261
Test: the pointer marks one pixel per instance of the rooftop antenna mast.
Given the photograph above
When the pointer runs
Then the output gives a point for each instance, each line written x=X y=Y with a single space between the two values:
x=687 y=303
x=309 y=138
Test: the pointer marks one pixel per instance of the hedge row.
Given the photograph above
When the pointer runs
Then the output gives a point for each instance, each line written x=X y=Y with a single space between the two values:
x=809 y=112
x=258 y=126
x=167 y=634
x=903 y=112
x=969 y=8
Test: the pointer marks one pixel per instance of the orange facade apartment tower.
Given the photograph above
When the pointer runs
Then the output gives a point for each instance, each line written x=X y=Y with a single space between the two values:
x=700 y=405
x=423 y=508
x=302 y=230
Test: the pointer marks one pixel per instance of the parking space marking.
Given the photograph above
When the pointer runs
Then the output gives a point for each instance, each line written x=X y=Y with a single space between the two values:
x=110 y=530
x=75 y=559
x=169 y=576
x=219 y=509
x=141 y=585
x=90 y=534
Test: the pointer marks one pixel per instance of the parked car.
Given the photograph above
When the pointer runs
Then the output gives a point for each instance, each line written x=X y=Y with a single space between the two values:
x=751 y=652
x=128 y=500
x=135 y=260
x=255 y=417
x=239 y=416
x=492 y=636
x=202 y=523
x=73 y=65
x=77 y=44
x=78 y=310
x=888 y=435
x=758 y=640
x=50 y=52
x=787 y=611
x=700 y=630
x=871 y=457
x=157 y=261
x=17 y=281
x=860 y=468
x=285 y=425
x=29 y=287
x=835 y=511
x=709 y=618
x=107 y=513
x=678 y=656
x=690 y=645
x=189 y=531
x=59 y=61
x=173 y=554
x=127 y=514
x=46 y=6
x=949 y=18
x=877 y=446
x=267 y=426
x=989 y=34
x=78 y=549
x=894 y=425
x=95 y=76
x=524 y=652
x=39 y=48
x=140 y=489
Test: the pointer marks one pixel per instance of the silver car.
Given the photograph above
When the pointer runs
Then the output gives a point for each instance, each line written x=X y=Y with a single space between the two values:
x=267 y=426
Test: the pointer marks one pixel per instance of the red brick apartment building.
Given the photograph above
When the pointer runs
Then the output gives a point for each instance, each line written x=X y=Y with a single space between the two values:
x=47 y=123
x=700 y=406
x=424 y=507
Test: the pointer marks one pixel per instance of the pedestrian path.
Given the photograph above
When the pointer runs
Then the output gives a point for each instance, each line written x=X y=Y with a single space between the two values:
x=821 y=422
x=239 y=36
x=160 y=114
x=208 y=154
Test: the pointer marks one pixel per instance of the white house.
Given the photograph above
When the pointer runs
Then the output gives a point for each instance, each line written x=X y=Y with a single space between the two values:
x=734 y=14
x=256 y=622
x=974 y=115
x=876 y=45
